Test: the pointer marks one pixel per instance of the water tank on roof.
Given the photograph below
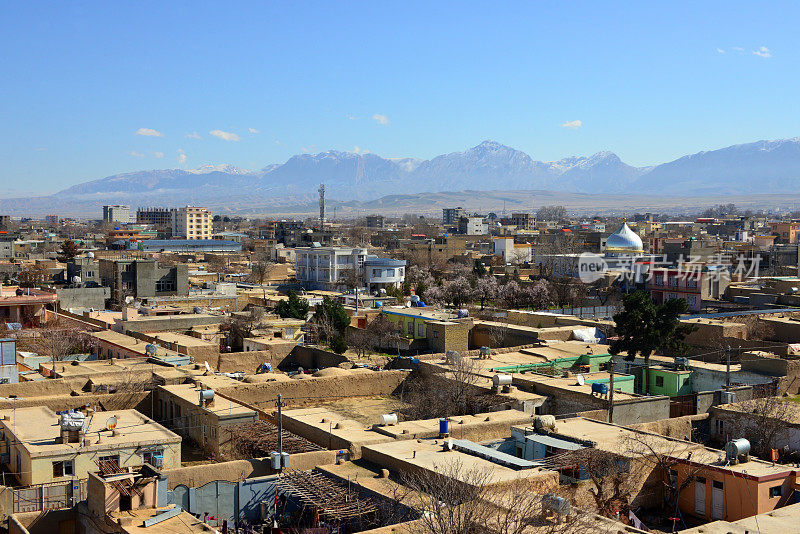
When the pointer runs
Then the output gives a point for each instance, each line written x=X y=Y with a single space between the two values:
x=737 y=450
x=73 y=421
x=90 y=255
x=462 y=313
x=151 y=349
x=389 y=419
x=501 y=380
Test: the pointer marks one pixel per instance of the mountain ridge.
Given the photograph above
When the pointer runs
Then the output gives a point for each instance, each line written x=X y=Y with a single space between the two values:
x=741 y=169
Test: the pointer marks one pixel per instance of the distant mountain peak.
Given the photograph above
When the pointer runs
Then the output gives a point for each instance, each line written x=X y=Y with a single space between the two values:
x=226 y=168
x=490 y=165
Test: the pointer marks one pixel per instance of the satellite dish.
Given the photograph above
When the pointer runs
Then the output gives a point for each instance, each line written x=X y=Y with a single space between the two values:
x=111 y=423
x=128 y=299
x=581 y=380
x=76 y=279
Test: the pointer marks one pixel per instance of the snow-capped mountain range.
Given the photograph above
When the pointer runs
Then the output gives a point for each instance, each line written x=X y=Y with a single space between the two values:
x=760 y=167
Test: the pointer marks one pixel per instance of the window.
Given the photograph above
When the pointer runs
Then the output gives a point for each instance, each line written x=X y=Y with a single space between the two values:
x=411 y=328
x=659 y=280
x=421 y=329
x=114 y=459
x=63 y=468
x=153 y=457
x=165 y=285
x=673 y=281
x=692 y=283
x=775 y=491
x=720 y=426
x=659 y=381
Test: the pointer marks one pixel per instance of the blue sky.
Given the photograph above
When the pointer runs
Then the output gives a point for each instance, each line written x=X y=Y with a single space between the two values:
x=650 y=81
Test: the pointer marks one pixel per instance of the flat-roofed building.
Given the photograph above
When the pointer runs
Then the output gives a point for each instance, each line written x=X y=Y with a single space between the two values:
x=206 y=420
x=192 y=222
x=117 y=214
x=40 y=446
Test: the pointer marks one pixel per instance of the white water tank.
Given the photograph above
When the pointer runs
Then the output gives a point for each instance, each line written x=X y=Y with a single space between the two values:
x=389 y=419
x=737 y=450
x=502 y=380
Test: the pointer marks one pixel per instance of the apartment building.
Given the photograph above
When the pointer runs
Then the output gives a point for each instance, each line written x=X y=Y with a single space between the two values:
x=452 y=215
x=160 y=217
x=192 y=222
x=787 y=232
x=142 y=279
x=692 y=282
x=376 y=221
x=325 y=267
x=41 y=446
x=472 y=226
x=117 y=214
x=523 y=221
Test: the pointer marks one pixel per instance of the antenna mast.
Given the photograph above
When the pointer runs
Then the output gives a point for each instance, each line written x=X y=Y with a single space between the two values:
x=321 y=207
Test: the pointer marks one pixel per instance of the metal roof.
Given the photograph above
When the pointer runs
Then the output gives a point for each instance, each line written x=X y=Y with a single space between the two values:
x=552 y=441
x=493 y=455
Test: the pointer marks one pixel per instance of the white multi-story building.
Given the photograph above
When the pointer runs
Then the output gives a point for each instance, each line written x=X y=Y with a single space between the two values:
x=192 y=222
x=325 y=267
x=330 y=268
x=512 y=252
x=117 y=214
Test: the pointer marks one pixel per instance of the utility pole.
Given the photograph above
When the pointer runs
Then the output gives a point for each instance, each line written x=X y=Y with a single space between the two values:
x=728 y=368
x=611 y=389
x=280 y=431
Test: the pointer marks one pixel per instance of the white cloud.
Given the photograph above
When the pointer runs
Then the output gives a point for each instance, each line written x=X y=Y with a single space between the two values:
x=720 y=51
x=381 y=119
x=193 y=135
x=158 y=155
x=135 y=154
x=351 y=117
x=253 y=130
x=763 y=52
x=181 y=156
x=359 y=150
x=572 y=125
x=737 y=49
x=277 y=142
x=40 y=149
x=227 y=136
x=149 y=132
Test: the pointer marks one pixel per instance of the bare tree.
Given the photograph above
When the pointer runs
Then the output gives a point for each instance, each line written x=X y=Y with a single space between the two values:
x=455 y=499
x=762 y=422
x=261 y=268
x=242 y=325
x=662 y=456
x=58 y=341
x=498 y=332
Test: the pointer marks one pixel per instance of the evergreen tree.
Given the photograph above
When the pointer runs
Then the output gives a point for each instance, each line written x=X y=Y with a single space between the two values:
x=293 y=308
x=644 y=327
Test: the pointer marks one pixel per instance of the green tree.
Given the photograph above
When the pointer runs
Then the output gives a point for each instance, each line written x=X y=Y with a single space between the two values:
x=293 y=308
x=338 y=344
x=643 y=327
x=329 y=321
x=69 y=249
x=479 y=269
